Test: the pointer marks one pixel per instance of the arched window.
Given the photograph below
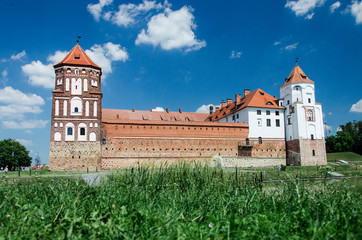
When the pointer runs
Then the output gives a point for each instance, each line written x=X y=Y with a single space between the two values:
x=82 y=132
x=57 y=137
x=85 y=83
x=67 y=84
x=69 y=127
x=69 y=131
x=76 y=106
x=65 y=108
x=260 y=140
x=76 y=71
x=56 y=108
x=92 y=137
x=87 y=108
x=310 y=115
x=95 y=109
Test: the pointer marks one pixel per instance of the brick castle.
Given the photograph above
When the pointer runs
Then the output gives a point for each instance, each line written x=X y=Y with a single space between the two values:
x=255 y=129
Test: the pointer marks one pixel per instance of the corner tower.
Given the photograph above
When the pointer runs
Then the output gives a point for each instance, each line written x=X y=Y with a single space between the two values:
x=75 y=141
x=303 y=121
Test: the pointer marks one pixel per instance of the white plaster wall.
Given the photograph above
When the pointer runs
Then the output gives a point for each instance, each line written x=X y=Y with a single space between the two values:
x=263 y=131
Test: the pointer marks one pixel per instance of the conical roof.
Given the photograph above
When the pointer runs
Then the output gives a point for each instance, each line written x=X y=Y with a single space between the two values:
x=297 y=76
x=78 y=57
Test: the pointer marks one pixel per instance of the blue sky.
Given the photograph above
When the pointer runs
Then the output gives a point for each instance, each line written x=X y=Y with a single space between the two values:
x=177 y=54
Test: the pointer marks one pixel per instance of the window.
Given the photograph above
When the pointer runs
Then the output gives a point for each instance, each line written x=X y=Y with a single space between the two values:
x=70 y=131
x=277 y=113
x=76 y=109
x=310 y=115
x=260 y=140
x=288 y=102
x=313 y=152
x=76 y=71
x=267 y=112
x=237 y=116
x=309 y=100
x=312 y=136
x=289 y=121
x=258 y=112
x=259 y=122
x=82 y=131
x=233 y=117
x=277 y=122
x=268 y=123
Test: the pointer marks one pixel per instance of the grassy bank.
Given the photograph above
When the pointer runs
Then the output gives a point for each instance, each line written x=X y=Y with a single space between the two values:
x=347 y=156
x=177 y=202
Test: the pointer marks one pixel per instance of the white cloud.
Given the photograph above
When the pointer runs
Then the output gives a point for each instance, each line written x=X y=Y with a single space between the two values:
x=309 y=16
x=356 y=11
x=105 y=54
x=127 y=13
x=18 y=56
x=291 y=46
x=9 y=95
x=206 y=108
x=29 y=124
x=235 y=54
x=276 y=43
x=158 y=109
x=17 y=103
x=4 y=73
x=303 y=7
x=25 y=142
x=96 y=9
x=357 y=107
x=334 y=6
x=171 y=30
x=39 y=74
x=57 y=56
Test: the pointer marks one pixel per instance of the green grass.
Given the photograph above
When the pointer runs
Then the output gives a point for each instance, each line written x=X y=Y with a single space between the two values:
x=347 y=156
x=174 y=202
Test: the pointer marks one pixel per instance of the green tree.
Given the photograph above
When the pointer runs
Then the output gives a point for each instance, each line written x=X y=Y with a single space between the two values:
x=13 y=154
x=331 y=144
x=355 y=131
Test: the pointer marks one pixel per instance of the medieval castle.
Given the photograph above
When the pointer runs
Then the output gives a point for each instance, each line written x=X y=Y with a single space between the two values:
x=255 y=129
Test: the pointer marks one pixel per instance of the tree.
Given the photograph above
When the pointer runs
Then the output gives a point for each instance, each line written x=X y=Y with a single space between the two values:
x=37 y=160
x=13 y=154
x=355 y=131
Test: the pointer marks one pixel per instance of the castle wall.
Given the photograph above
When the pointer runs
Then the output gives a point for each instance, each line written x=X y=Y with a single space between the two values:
x=74 y=156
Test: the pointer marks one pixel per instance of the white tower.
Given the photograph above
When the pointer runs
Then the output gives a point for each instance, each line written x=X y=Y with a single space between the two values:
x=304 y=131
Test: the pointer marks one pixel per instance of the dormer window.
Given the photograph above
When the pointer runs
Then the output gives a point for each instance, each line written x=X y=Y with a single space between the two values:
x=76 y=56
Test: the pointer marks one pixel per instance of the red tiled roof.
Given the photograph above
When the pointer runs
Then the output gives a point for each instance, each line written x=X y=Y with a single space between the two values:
x=257 y=98
x=297 y=75
x=122 y=115
x=77 y=56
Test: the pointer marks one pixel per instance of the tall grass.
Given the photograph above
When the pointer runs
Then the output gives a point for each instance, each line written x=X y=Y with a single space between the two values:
x=183 y=201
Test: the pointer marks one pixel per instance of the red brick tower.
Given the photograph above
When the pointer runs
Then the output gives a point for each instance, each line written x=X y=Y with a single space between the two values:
x=75 y=141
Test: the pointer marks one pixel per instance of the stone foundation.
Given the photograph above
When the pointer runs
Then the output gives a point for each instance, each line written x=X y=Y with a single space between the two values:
x=74 y=156
x=306 y=152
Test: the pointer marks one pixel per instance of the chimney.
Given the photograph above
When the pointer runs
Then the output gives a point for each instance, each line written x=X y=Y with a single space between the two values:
x=223 y=104
x=246 y=92
x=211 y=108
x=237 y=99
x=228 y=101
x=150 y=110
x=180 y=110
x=167 y=110
x=132 y=109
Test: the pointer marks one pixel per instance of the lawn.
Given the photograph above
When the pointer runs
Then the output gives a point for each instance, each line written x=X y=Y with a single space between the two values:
x=178 y=202
x=347 y=156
